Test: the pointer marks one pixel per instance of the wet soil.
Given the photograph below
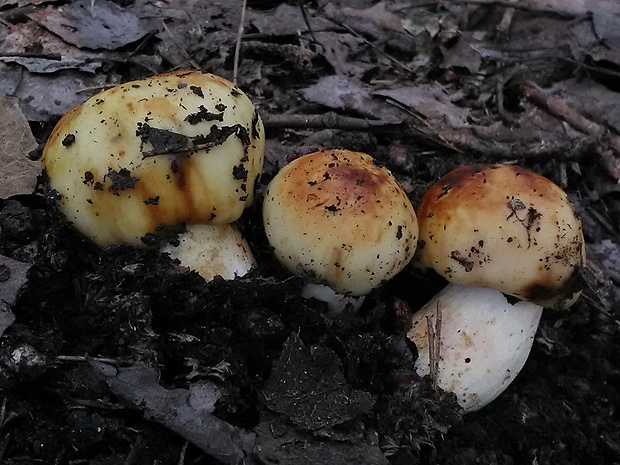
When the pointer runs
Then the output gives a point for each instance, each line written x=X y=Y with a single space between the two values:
x=294 y=384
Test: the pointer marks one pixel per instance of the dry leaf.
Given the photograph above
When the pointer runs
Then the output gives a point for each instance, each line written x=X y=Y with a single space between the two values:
x=431 y=101
x=52 y=54
x=44 y=96
x=18 y=174
x=93 y=25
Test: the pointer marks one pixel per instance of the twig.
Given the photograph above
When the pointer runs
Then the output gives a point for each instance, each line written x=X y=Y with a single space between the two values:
x=559 y=108
x=423 y=128
x=181 y=49
x=131 y=456
x=4 y=417
x=504 y=25
x=182 y=454
x=434 y=344
x=4 y=445
x=45 y=56
x=96 y=88
x=399 y=64
x=526 y=5
x=329 y=120
x=79 y=358
x=238 y=42
x=2 y=413
x=304 y=15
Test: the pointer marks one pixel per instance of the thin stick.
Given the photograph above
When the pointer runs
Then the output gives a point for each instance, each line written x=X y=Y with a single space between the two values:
x=393 y=60
x=559 y=108
x=4 y=445
x=503 y=27
x=80 y=358
x=182 y=454
x=181 y=49
x=434 y=344
x=561 y=9
x=304 y=15
x=330 y=120
x=238 y=43
x=133 y=453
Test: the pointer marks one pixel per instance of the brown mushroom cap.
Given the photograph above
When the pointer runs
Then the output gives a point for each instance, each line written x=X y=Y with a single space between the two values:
x=503 y=227
x=339 y=219
x=179 y=147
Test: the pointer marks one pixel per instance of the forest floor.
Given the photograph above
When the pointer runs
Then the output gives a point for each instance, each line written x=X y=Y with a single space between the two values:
x=113 y=356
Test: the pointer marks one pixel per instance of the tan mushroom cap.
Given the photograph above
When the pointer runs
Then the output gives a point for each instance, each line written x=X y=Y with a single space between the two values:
x=503 y=227
x=341 y=220
x=179 y=147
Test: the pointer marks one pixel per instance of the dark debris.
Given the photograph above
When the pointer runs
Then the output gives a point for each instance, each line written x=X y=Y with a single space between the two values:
x=308 y=387
x=425 y=89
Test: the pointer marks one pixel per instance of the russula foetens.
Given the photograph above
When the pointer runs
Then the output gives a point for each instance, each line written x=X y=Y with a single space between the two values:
x=340 y=220
x=509 y=243
x=213 y=250
x=178 y=148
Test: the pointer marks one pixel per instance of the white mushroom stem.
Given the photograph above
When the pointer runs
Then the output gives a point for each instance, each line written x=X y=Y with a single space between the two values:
x=336 y=302
x=478 y=341
x=213 y=250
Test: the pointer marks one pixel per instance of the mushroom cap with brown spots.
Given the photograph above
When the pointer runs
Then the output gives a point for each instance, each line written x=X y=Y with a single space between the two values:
x=503 y=227
x=182 y=147
x=339 y=219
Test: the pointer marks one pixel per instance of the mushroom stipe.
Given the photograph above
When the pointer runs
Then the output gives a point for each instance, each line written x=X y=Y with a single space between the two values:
x=509 y=243
x=146 y=158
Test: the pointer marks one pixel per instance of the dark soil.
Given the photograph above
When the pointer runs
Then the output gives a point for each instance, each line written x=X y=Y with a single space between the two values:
x=295 y=384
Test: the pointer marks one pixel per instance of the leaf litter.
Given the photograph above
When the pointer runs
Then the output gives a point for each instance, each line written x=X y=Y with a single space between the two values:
x=92 y=336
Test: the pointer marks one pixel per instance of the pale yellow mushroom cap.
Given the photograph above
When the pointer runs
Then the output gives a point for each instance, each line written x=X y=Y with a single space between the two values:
x=339 y=219
x=503 y=227
x=182 y=147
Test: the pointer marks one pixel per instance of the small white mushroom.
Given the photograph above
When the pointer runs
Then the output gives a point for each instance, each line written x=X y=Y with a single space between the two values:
x=500 y=229
x=213 y=250
x=177 y=148
x=478 y=343
x=340 y=220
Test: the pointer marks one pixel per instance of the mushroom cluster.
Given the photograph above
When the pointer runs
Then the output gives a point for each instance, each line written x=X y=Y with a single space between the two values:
x=509 y=243
x=340 y=220
x=182 y=148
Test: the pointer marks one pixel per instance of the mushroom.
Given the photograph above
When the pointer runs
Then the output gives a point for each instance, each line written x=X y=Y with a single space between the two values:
x=213 y=250
x=182 y=148
x=341 y=221
x=509 y=243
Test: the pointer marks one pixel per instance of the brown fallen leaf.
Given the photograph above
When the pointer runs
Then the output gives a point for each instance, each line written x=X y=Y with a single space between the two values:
x=350 y=95
x=370 y=21
x=93 y=25
x=52 y=53
x=45 y=96
x=18 y=174
x=431 y=101
x=286 y=20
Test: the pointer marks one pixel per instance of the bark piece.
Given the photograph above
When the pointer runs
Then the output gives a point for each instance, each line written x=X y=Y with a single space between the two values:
x=187 y=412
